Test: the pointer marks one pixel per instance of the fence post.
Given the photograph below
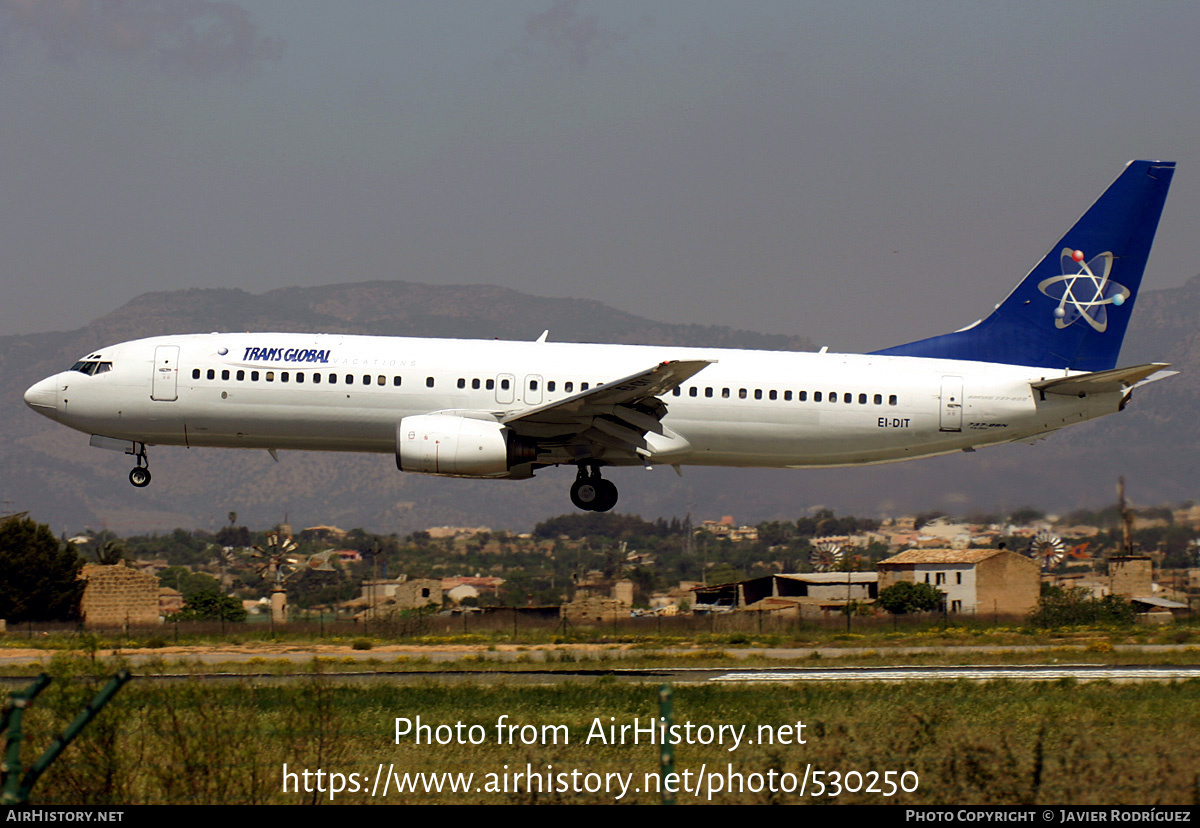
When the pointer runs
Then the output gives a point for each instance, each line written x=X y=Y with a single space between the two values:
x=666 y=756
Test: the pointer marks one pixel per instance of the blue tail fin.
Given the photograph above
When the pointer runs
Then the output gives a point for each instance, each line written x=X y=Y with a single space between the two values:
x=1072 y=309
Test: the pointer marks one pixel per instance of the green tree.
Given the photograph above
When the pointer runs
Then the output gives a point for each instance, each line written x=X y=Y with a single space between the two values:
x=724 y=573
x=111 y=553
x=1073 y=606
x=904 y=597
x=187 y=582
x=211 y=606
x=1026 y=515
x=41 y=575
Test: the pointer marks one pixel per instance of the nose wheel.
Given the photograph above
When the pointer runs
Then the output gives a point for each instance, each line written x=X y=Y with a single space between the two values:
x=140 y=475
x=591 y=492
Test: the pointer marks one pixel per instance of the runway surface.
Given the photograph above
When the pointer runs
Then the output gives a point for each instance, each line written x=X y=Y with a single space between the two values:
x=700 y=675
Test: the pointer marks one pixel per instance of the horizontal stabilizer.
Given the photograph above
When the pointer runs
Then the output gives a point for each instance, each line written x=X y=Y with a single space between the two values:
x=1100 y=382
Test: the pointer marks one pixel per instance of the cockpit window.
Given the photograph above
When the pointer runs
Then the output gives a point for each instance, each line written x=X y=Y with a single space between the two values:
x=90 y=367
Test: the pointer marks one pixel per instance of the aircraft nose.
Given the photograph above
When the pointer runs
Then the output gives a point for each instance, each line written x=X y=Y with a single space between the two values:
x=42 y=397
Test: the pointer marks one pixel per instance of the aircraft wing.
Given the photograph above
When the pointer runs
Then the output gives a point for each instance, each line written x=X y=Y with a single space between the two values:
x=619 y=415
x=1099 y=382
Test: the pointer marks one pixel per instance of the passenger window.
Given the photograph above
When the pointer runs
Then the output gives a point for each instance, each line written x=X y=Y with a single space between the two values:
x=568 y=387
x=333 y=379
x=879 y=399
x=212 y=374
x=862 y=399
x=833 y=396
x=550 y=385
x=583 y=386
x=533 y=385
x=270 y=377
x=317 y=377
x=381 y=380
x=847 y=398
x=241 y=375
x=693 y=391
x=349 y=379
x=758 y=393
x=299 y=376
x=195 y=373
x=283 y=376
x=725 y=393
x=462 y=383
x=742 y=394
x=475 y=385
x=816 y=396
x=366 y=379
x=254 y=376
x=503 y=384
x=803 y=396
x=225 y=374
x=490 y=384
x=429 y=382
x=676 y=391
x=787 y=396
x=708 y=392
x=772 y=394
x=892 y=399
x=395 y=382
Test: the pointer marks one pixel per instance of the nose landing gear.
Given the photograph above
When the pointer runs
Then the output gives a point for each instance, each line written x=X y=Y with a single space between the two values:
x=591 y=492
x=140 y=475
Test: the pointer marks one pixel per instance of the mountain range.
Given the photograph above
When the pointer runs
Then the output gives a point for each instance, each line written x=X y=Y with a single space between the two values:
x=51 y=472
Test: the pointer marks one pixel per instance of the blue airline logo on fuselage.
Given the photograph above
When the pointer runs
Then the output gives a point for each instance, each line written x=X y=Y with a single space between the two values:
x=286 y=355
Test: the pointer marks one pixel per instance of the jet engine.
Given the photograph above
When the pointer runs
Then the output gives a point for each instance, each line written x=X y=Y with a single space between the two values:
x=458 y=446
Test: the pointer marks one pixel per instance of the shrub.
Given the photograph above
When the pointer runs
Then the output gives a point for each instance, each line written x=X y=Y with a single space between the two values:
x=905 y=597
x=1073 y=606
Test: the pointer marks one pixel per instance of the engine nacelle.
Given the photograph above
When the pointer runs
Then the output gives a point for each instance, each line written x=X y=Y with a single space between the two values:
x=449 y=444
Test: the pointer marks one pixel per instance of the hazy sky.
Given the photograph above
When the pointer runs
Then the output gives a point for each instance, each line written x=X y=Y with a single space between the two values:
x=863 y=173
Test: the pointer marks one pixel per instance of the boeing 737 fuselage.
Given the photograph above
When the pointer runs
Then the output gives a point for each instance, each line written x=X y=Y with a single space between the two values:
x=1043 y=360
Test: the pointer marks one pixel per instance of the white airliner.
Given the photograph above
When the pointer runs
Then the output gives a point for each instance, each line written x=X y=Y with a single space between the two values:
x=1044 y=359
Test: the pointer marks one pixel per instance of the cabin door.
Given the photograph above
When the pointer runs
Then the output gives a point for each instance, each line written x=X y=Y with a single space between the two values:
x=952 y=404
x=164 y=384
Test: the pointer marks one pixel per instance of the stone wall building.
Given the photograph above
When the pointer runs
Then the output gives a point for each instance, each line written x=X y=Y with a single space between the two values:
x=591 y=607
x=383 y=598
x=118 y=596
x=1131 y=576
x=973 y=580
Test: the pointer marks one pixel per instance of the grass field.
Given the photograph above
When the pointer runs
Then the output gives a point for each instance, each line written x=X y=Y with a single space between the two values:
x=966 y=743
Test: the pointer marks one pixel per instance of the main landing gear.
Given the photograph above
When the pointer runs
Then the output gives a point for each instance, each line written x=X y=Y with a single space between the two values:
x=591 y=492
x=140 y=475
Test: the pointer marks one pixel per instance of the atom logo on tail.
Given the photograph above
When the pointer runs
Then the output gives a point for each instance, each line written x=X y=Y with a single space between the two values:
x=1083 y=290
